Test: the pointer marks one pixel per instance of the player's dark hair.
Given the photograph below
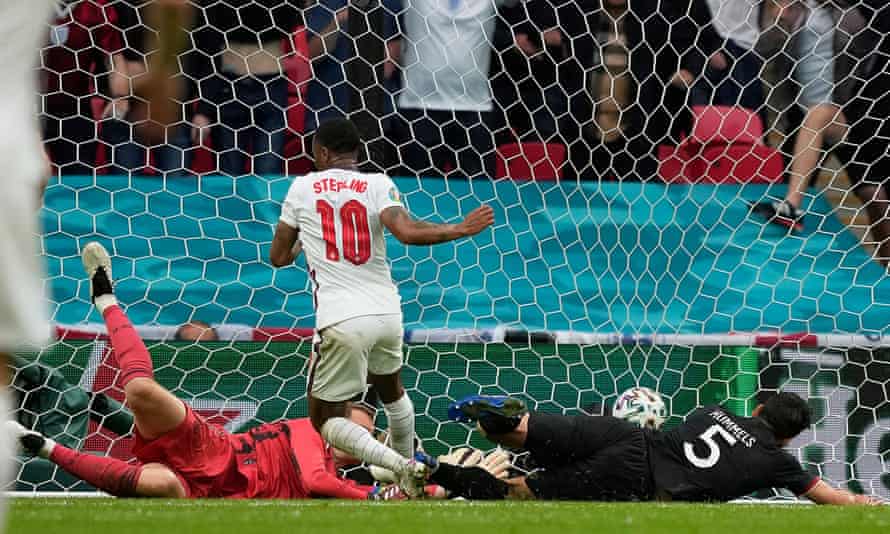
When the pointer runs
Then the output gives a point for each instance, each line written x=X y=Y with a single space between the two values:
x=340 y=136
x=787 y=414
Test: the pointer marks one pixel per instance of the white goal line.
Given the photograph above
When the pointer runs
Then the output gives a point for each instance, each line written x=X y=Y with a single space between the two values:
x=99 y=494
x=55 y=494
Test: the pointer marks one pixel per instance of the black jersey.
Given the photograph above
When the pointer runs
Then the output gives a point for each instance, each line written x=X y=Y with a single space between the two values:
x=717 y=456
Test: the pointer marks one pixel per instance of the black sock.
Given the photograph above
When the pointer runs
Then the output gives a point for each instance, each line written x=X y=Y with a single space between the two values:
x=470 y=482
x=101 y=283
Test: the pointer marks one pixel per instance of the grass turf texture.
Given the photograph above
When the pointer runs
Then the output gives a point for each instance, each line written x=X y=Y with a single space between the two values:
x=110 y=516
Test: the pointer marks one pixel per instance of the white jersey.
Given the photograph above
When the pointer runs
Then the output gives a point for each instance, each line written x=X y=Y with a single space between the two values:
x=338 y=214
x=738 y=20
x=23 y=317
x=23 y=305
x=23 y=29
x=446 y=65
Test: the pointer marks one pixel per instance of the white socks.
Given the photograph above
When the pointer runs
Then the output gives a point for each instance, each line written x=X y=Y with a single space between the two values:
x=356 y=441
x=400 y=415
x=104 y=301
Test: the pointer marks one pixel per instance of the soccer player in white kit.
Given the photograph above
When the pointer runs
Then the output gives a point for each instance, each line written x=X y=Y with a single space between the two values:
x=23 y=317
x=336 y=216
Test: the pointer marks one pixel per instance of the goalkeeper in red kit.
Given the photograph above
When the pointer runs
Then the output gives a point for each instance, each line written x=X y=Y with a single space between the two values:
x=180 y=455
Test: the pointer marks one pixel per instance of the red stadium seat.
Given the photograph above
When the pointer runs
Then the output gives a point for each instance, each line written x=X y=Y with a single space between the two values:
x=680 y=164
x=530 y=161
x=726 y=146
x=738 y=163
x=725 y=125
x=728 y=164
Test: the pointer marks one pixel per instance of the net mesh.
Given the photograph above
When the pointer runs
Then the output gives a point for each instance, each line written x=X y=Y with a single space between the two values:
x=635 y=151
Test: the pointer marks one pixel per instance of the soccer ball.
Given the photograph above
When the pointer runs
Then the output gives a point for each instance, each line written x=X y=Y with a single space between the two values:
x=641 y=406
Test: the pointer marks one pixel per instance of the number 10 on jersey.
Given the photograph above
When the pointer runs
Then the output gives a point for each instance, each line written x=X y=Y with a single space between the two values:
x=356 y=232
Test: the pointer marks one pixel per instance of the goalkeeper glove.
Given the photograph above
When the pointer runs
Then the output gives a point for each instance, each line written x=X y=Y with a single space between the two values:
x=462 y=456
x=496 y=462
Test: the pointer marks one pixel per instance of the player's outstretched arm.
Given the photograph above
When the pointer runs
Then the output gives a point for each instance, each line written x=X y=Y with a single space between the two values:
x=824 y=493
x=315 y=471
x=414 y=232
x=285 y=245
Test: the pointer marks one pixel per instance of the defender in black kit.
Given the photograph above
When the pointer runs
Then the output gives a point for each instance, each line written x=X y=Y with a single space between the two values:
x=713 y=455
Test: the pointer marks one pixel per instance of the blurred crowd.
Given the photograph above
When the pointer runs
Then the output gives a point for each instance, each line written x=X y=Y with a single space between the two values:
x=596 y=89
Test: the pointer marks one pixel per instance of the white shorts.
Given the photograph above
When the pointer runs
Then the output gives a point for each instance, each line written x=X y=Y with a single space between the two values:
x=23 y=304
x=814 y=66
x=345 y=353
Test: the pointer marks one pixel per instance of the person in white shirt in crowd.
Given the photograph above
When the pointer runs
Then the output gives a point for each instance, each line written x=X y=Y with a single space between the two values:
x=446 y=104
x=733 y=73
x=840 y=64
x=824 y=122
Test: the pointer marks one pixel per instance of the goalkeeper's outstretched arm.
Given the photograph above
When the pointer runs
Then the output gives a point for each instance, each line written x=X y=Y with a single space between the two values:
x=470 y=474
x=824 y=493
x=413 y=232
x=477 y=483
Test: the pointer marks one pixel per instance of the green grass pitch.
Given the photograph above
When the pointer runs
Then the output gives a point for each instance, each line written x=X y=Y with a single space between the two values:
x=110 y=516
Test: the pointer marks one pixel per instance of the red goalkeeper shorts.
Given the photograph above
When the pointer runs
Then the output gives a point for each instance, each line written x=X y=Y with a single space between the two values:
x=202 y=456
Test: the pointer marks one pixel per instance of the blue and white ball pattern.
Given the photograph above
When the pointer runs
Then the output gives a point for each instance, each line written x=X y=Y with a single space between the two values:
x=641 y=406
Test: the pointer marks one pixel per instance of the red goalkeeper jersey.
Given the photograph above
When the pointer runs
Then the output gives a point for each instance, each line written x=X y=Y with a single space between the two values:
x=283 y=460
x=290 y=460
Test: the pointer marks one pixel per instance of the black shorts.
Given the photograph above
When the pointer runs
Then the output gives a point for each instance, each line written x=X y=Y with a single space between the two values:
x=587 y=458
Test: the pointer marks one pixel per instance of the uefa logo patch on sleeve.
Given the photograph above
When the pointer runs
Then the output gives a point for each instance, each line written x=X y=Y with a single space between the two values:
x=394 y=195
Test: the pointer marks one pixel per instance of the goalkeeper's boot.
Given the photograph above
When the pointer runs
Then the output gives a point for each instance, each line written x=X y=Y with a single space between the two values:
x=496 y=415
x=413 y=479
x=97 y=264
x=30 y=441
x=780 y=213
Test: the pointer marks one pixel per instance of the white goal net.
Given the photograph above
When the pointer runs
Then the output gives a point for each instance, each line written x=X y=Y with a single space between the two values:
x=689 y=196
